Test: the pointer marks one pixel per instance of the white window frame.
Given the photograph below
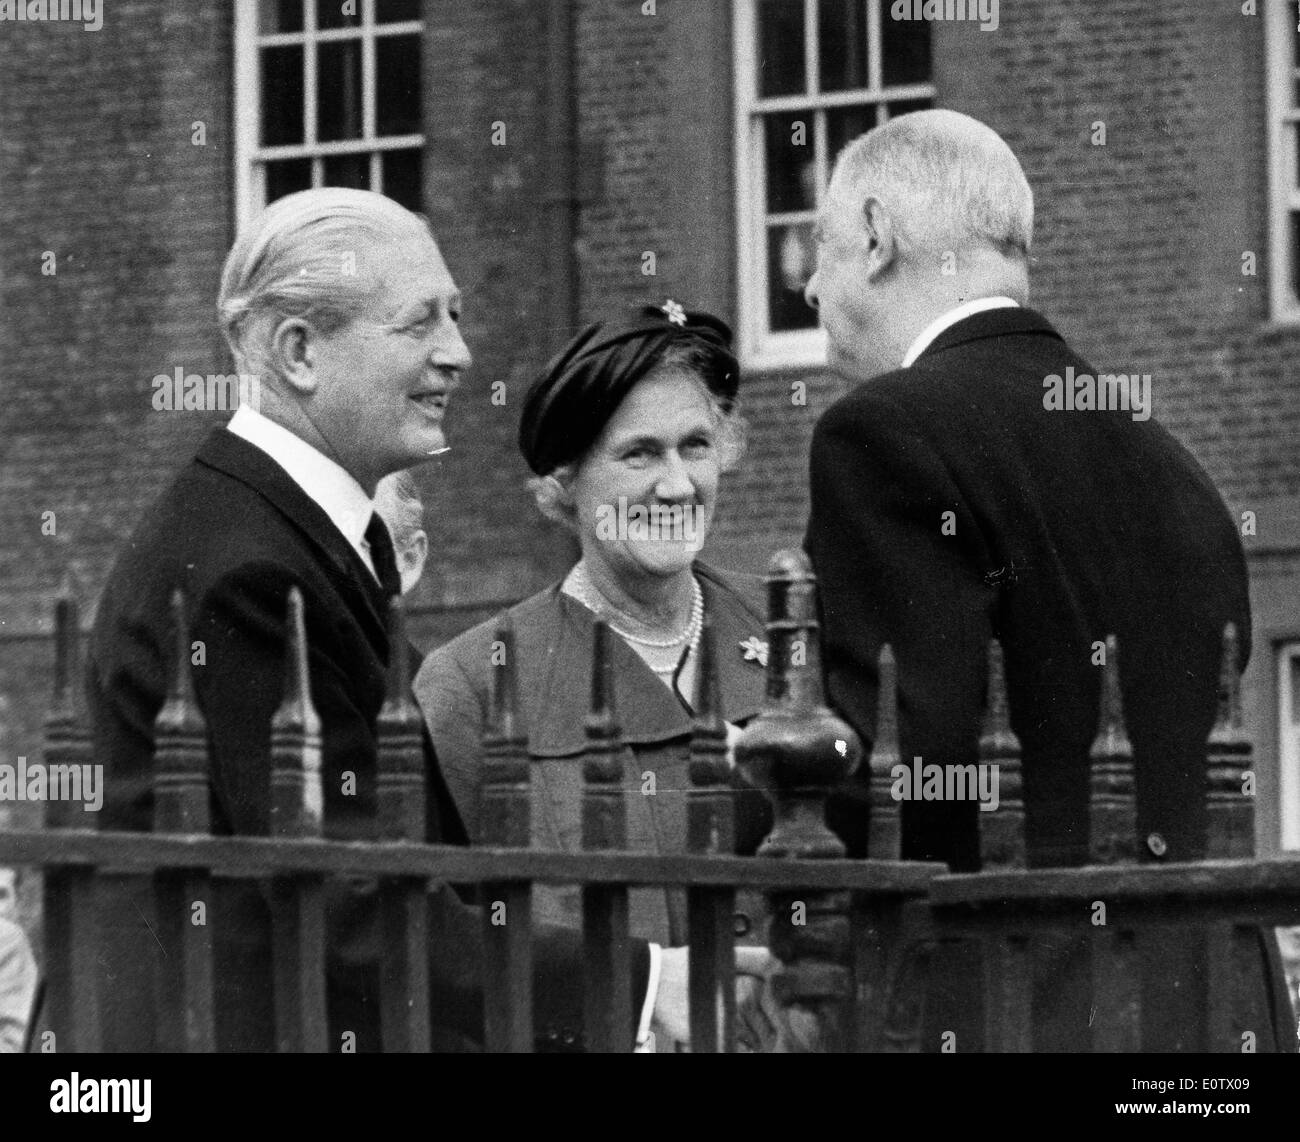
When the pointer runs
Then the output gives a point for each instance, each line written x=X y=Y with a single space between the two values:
x=1288 y=749
x=1280 y=20
x=760 y=348
x=250 y=156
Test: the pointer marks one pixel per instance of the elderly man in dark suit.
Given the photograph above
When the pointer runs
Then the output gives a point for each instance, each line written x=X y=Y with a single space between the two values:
x=340 y=302
x=958 y=494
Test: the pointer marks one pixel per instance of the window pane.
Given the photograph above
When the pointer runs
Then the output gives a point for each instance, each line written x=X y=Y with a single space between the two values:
x=391 y=11
x=286 y=176
x=279 y=16
x=791 y=162
x=331 y=14
x=905 y=106
x=780 y=47
x=348 y=170
x=905 y=49
x=844 y=124
x=338 y=76
x=281 y=96
x=842 y=44
x=397 y=85
x=402 y=178
x=788 y=270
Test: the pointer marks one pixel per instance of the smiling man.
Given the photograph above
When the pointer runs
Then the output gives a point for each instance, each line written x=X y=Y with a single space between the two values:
x=340 y=300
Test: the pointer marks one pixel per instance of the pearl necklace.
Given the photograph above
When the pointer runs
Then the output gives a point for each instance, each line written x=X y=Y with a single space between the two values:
x=591 y=598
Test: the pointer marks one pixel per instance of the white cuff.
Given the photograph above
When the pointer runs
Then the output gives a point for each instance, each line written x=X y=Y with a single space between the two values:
x=644 y=1040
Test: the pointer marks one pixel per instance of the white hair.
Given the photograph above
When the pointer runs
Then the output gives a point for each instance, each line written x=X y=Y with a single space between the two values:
x=305 y=256
x=552 y=490
x=948 y=180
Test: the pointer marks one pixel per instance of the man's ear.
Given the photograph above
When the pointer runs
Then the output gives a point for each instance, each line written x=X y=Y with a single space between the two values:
x=880 y=236
x=414 y=553
x=293 y=354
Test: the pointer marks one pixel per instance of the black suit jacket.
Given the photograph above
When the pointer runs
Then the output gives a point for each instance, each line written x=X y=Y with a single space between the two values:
x=1069 y=526
x=235 y=532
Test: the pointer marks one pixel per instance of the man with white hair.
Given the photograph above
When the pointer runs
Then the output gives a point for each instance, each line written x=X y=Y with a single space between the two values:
x=341 y=304
x=955 y=498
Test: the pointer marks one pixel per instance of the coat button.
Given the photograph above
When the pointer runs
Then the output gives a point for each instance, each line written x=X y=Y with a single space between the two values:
x=1156 y=843
x=741 y=925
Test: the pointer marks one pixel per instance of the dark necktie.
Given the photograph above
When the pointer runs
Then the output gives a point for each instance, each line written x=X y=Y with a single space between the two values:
x=381 y=555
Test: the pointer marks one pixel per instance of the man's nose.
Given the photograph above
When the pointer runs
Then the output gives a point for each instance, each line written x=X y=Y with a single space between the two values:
x=810 y=291
x=450 y=351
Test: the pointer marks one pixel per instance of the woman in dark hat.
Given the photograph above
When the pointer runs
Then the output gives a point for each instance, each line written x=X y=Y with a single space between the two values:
x=628 y=431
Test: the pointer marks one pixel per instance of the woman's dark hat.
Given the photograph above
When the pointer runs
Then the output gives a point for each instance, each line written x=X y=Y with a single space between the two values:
x=568 y=406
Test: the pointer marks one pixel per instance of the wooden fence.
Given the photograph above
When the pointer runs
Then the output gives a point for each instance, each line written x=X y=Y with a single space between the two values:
x=846 y=932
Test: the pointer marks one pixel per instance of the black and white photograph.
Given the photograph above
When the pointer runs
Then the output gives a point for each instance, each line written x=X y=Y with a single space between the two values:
x=650 y=527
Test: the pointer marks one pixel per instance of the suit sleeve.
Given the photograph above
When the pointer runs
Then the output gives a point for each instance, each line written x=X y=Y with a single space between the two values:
x=893 y=568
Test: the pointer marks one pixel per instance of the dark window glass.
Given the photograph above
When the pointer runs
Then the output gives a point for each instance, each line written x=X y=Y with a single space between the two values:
x=394 y=11
x=780 y=47
x=331 y=14
x=397 y=85
x=904 y=49
x=403 y=178
x=842 y=42
x=279 y=16
x=844 y=124
x=348 y=170
x=1293 y=669
x=904 y=106
x=282 y=98
x=286 y=176
x=788 y=270
x=1295 y=253
x=338 y=79
x=791 y=162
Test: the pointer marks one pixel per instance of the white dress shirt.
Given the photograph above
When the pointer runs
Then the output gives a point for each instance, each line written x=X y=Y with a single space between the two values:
x=329 y=485
x=926 y=337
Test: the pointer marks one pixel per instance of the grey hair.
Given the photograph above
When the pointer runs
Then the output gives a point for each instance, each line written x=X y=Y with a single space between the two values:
x=949 y=180
x=551 y=491
x=400 y=505
x=300 y=258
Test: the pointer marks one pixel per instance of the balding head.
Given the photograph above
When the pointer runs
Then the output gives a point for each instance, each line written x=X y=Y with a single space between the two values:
x=924 y=213
x=950 y=182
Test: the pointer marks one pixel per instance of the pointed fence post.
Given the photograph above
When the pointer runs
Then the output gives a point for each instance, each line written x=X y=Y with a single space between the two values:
x=506 y=815
x=184 y=897
x=403 y=901
x=885 y=828
x=1230 y=807
x=69 y=897
x=297 y=811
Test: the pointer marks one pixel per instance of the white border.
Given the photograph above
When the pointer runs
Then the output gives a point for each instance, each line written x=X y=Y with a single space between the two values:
x=1283 y=193
x=1288 y=749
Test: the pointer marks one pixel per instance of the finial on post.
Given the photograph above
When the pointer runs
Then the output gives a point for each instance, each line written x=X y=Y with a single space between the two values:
x=297 y=798
x=180 y=742
x=710 y=826
x=885 y=827
x=1112 y=803
x=67 y=735
x=1002 y=830
x=1230 y=778
x=399 y=776
x=604 y=813
x=506 y=805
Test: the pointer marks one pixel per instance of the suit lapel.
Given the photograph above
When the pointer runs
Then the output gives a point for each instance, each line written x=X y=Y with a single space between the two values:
x=240 y=460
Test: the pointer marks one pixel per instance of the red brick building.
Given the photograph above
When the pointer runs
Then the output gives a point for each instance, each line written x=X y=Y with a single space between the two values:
x=579 y=155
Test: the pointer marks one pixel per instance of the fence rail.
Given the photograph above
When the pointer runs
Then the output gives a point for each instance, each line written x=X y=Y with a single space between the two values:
x=846 y=932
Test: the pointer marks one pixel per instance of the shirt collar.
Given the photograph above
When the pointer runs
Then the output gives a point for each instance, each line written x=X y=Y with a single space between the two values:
x=968 y=309
x=328 y=484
